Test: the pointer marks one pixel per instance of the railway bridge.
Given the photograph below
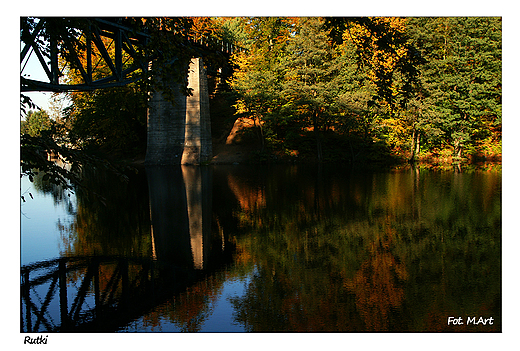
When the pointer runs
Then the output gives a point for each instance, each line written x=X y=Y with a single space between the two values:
x=179 y=125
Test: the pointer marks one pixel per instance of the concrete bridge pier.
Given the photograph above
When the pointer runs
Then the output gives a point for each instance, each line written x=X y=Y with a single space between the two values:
x=179 y=131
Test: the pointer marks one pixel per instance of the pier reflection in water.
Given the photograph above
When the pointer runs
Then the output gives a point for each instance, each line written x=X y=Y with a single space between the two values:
x=105 y=292
x=276 y=248
x=180 y=207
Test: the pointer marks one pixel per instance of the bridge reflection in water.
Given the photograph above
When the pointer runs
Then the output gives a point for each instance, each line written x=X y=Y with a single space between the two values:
x=182 y=206
x=105 y=293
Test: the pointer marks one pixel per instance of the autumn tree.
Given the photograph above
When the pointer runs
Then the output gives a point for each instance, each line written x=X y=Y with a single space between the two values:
x=35 y=122
x=359 y=113
x=462 y=79
x=313 y=78
x=391 y=62
x=258 y=79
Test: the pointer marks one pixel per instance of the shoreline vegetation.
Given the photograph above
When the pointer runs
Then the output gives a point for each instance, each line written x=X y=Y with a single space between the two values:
x=240 y=147
x=244 y=153
x=371 y=92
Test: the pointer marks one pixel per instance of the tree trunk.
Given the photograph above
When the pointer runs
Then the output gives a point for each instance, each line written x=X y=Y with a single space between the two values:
x=259 y=123
x=317 y=135
x=416 y=144
x=320 y=152
x=352 y=157
x=457 y=149
x=412 y=149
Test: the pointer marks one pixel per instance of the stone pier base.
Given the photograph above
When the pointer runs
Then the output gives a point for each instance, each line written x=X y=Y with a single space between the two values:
x=179 y=132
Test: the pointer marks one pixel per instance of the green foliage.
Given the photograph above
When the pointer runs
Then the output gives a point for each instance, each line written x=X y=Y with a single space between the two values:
x=309 y=86
x=295 y=79
x=376 y=86
x=63 y=169
x=35 y=123
x=26 y=104
x=462 y=78
x=111 y=120
x=38 y=139
x=258 y=79
x=406 y=84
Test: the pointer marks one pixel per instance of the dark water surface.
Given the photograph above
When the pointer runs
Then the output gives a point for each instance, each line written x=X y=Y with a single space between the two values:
x=264 y=248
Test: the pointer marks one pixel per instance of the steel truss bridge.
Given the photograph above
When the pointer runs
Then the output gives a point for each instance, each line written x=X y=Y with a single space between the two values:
x=105 y=41
x=96 y=294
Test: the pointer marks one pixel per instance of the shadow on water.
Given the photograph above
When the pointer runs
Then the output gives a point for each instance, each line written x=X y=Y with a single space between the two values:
x=104 y=292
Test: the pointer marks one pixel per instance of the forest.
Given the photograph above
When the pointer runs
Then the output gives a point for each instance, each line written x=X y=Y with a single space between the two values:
x=362 y=90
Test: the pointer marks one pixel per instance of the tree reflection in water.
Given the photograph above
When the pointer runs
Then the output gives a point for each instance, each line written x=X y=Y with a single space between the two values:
x=339 y=251
x=323 y=249
x=378 y=286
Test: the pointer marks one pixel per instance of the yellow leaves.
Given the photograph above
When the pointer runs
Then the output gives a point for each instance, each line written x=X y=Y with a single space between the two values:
x=203 y=27
x=241 y=107
x=244 y=61
x=380 y=42
x=387 y=60
x=396 y=24
x=398 y=131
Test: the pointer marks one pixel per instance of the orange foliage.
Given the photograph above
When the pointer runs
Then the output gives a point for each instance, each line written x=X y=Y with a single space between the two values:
x=249 y=198
x=203 y=27
x=191 y=306
x=377 y=285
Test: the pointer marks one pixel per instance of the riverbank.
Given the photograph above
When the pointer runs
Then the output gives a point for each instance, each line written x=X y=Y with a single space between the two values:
x=240 y=145
x=228 y=154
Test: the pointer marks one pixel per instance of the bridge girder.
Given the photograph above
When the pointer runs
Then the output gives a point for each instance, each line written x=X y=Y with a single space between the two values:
x=86 y=43
x=83 y=49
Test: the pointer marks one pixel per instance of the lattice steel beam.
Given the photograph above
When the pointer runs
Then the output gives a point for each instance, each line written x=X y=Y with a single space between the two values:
x=125 y=41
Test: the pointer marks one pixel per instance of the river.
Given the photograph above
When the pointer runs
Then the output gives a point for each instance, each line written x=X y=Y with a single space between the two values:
x=278 y=248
